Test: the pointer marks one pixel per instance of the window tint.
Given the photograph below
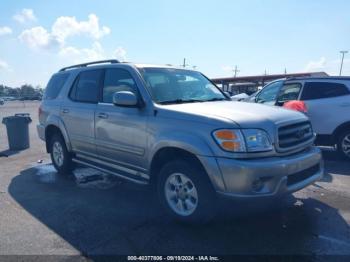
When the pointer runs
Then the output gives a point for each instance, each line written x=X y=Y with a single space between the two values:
x=318 y=90
x=289 y=92
x=117 y=80
x=55 y=85
x=269 y=93
x=86 y=87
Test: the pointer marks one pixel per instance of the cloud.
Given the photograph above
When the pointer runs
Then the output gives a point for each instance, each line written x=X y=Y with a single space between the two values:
x=26 y=15
x=80 y=55
x=319 y=65
x=5 y=30
x=120 y=54
x=3 y=65
x=38 y=38
x=331 y=67
x=66 y=26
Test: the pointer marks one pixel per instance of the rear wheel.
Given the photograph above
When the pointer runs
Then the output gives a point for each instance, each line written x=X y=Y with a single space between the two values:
x=343 y=144
x=60 y=156
x=185 y=192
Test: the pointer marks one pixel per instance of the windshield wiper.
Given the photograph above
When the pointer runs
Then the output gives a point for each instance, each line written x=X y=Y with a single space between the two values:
x=179 y=101
x=216 y=99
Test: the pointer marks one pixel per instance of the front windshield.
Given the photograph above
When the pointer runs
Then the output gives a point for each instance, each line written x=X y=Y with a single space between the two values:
x=168 y=86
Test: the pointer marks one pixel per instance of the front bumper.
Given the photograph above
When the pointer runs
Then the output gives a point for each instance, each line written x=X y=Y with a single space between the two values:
x=263 y=177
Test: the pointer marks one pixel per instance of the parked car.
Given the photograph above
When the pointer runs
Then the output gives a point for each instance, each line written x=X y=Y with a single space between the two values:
x=175 y=130
x=326 y=101
x=250 y=98
x=2 y=101
x=239 y=97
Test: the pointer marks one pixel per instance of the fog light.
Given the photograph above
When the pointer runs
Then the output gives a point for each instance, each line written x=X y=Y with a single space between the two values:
x=257 y=185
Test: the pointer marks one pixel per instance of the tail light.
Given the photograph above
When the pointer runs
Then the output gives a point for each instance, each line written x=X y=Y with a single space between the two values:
x=296 y=105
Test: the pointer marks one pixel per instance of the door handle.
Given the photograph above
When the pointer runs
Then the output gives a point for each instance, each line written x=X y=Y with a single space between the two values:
x=345 y=104
x=65 y=110
x=102 y=115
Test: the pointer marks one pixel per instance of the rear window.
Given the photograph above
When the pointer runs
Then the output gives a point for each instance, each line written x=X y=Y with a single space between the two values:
x=86 y=87
x=55 y=85
x=318 y=90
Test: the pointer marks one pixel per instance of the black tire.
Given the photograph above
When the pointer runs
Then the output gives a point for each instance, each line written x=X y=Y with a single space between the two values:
x=66 y=166
x=205 y=209
x=340 y=140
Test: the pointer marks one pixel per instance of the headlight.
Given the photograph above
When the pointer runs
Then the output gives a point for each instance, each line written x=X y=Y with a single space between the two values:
x=245 y=140
x=257 y=140
x=230 y=140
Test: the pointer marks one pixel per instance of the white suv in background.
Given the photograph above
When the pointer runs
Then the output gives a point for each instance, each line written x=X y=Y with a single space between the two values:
x=327 y=102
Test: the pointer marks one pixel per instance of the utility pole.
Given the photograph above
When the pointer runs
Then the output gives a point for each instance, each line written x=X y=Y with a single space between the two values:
x=184 y=63
x=235 y=71
x=342 y=61
x=285 y=70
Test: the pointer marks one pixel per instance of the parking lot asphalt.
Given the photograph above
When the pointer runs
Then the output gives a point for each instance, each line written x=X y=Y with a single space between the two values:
x=42 y=213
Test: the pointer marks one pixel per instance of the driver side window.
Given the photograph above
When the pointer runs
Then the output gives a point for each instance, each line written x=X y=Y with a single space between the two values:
x=117 y=80
x=269 y=93
x=289 y=92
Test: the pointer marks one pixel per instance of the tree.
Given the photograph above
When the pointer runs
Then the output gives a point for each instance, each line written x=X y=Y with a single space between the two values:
x=27 y=90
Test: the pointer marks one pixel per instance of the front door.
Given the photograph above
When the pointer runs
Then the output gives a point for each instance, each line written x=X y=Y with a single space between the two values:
x=121 y=137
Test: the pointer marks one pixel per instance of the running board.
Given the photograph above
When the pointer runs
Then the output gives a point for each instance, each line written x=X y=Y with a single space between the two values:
x=114 y=173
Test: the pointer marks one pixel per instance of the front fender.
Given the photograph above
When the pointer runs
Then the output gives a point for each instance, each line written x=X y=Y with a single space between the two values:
x=189 y=142
x=197 y=146
x=57 y=121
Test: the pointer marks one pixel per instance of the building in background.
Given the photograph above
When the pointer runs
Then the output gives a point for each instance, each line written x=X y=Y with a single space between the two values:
x=250 y=84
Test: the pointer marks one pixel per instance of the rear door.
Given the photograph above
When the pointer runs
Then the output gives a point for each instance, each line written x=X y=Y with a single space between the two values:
x=328 y=104
x=78 y=111
x=121 y=136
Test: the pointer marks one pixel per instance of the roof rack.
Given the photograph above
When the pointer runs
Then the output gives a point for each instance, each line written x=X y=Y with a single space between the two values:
x=112 y=61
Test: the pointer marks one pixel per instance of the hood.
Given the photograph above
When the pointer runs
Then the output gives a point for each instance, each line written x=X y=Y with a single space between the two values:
x=246 y=115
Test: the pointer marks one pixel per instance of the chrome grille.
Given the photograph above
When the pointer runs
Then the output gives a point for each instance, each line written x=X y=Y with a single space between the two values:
x=294 y=135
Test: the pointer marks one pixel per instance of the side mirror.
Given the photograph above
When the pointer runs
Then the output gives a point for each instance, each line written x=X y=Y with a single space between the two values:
x=125 y=98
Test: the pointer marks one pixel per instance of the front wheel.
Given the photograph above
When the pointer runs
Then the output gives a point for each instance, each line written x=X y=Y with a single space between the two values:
x=60 y=156
x=186 y=193
x=343 y=144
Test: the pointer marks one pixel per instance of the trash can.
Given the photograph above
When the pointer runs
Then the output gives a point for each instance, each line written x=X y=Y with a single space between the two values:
x=18 y=130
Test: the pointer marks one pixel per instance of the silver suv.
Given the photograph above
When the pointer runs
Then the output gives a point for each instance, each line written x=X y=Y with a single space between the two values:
x=175 y=130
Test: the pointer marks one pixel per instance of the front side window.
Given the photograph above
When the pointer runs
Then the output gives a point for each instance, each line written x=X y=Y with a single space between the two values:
x=117 y=80
x=269 y=93
x=86 y=87
x=319 y=90
x=289 y=92
x=168 y=85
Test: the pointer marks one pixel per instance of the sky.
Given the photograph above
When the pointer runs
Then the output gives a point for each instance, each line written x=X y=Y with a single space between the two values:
x=37 y=38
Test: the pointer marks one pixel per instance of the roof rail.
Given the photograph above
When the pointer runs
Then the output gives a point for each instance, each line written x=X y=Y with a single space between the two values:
x=112 y=61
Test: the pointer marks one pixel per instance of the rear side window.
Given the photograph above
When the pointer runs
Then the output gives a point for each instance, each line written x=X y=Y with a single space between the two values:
x=55 y=85
x=86 y=87
x=318 y=90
